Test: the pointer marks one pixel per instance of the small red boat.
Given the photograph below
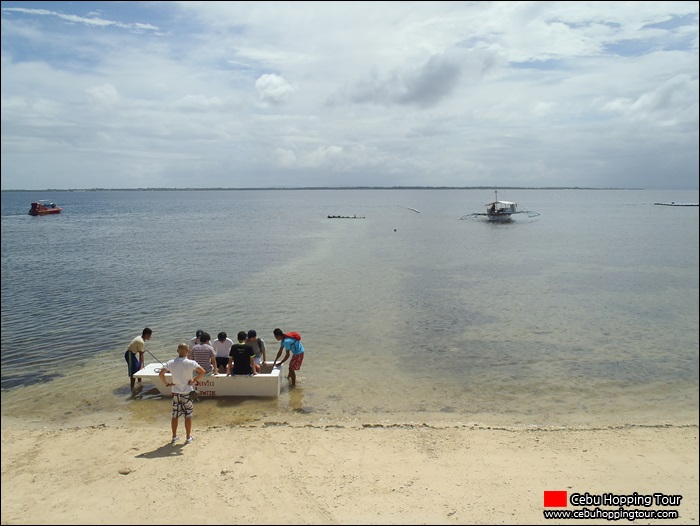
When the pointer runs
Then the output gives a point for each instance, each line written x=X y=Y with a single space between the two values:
x=43 y=207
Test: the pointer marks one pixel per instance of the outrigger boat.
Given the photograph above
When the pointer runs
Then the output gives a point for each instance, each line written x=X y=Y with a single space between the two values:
x=346 y=217
x=44 y=207
x=500 y=211
x=266 y=383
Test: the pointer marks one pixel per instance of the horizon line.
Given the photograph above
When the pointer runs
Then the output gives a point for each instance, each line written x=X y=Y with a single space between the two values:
x=175 y=189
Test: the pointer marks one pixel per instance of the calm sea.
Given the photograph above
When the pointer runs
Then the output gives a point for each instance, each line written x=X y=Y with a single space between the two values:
x=585 y=315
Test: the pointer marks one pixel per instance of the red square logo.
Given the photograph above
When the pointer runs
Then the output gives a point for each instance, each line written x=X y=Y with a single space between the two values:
x=555 y=499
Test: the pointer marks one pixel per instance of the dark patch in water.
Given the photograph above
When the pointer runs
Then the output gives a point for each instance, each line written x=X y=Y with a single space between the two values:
x=14 y=382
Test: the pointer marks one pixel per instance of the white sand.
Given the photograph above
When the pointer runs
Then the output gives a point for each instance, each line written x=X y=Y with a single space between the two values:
x=346 y=474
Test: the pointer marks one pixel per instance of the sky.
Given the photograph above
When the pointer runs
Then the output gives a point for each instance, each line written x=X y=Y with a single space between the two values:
x=335 y=94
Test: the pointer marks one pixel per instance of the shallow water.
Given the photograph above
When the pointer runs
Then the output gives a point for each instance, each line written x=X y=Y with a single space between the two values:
x=586 y=315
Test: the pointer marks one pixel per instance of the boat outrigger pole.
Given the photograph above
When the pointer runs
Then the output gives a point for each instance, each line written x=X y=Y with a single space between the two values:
x=149 y=352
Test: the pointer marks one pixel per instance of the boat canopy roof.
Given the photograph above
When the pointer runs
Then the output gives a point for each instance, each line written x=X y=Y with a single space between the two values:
x=500 y=203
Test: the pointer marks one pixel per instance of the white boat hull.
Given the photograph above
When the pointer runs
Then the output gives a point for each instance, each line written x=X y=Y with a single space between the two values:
x=499 y=218
x=268 y=383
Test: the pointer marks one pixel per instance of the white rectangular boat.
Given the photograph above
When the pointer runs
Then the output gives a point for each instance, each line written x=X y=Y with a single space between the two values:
x=266 y=383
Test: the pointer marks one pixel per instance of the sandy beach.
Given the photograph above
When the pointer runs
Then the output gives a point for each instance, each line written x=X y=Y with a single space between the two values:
x=284 y=473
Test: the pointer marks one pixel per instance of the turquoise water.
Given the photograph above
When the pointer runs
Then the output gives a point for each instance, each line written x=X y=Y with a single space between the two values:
x=584 y=315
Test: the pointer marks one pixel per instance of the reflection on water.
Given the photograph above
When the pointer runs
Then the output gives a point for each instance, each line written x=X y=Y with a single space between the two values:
x=585 y=315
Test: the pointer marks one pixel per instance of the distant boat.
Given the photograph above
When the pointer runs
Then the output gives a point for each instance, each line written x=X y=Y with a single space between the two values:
x=44 y=207
x=673 y=203
x=500 y=211
x=346 y=217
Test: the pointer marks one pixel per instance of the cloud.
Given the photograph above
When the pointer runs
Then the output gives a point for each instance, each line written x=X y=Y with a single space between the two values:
x=424 y=86
x=273 y=89
x=673 y=102
x=344 y=94
x=91 y=21
x=103 y=96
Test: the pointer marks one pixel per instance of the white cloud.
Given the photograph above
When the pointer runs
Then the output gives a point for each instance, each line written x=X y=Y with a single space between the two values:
x=105 y=95
x=343 y=94
x=273 y=89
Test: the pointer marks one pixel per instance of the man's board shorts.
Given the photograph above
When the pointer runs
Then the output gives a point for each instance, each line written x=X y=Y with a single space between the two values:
x=182 y=405
x=132 y=363
x=295 y=362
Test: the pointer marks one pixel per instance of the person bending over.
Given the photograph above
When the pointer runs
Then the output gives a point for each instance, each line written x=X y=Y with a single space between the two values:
x=293 y=346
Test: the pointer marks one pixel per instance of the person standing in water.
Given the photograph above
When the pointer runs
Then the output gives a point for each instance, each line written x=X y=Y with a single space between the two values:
x=290 y=345
x=137 y=345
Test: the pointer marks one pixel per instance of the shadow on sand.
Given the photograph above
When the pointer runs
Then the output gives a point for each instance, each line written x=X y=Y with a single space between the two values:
x=167 y=450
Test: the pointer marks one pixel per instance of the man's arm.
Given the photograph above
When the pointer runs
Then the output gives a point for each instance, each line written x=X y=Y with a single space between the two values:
x=252 y=365
x=200 y=373
x=286 y=355
x=279 y=353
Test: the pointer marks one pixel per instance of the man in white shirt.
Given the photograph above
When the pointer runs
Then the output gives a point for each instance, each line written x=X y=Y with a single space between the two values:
x=181 y=369
x=222 y=346
x=194 y=341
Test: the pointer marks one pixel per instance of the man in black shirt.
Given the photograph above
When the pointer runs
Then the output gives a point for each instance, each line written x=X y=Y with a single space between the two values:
x=241 y=359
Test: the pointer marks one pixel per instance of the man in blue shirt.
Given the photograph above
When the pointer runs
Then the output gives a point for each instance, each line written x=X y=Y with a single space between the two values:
x=290 y=345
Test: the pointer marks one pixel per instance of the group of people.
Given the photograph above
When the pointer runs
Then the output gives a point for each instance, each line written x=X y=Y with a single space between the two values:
x=224 y=356
x=204 y=357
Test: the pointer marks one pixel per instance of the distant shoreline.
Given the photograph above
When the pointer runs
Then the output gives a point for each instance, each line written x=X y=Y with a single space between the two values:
x=329 y=188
